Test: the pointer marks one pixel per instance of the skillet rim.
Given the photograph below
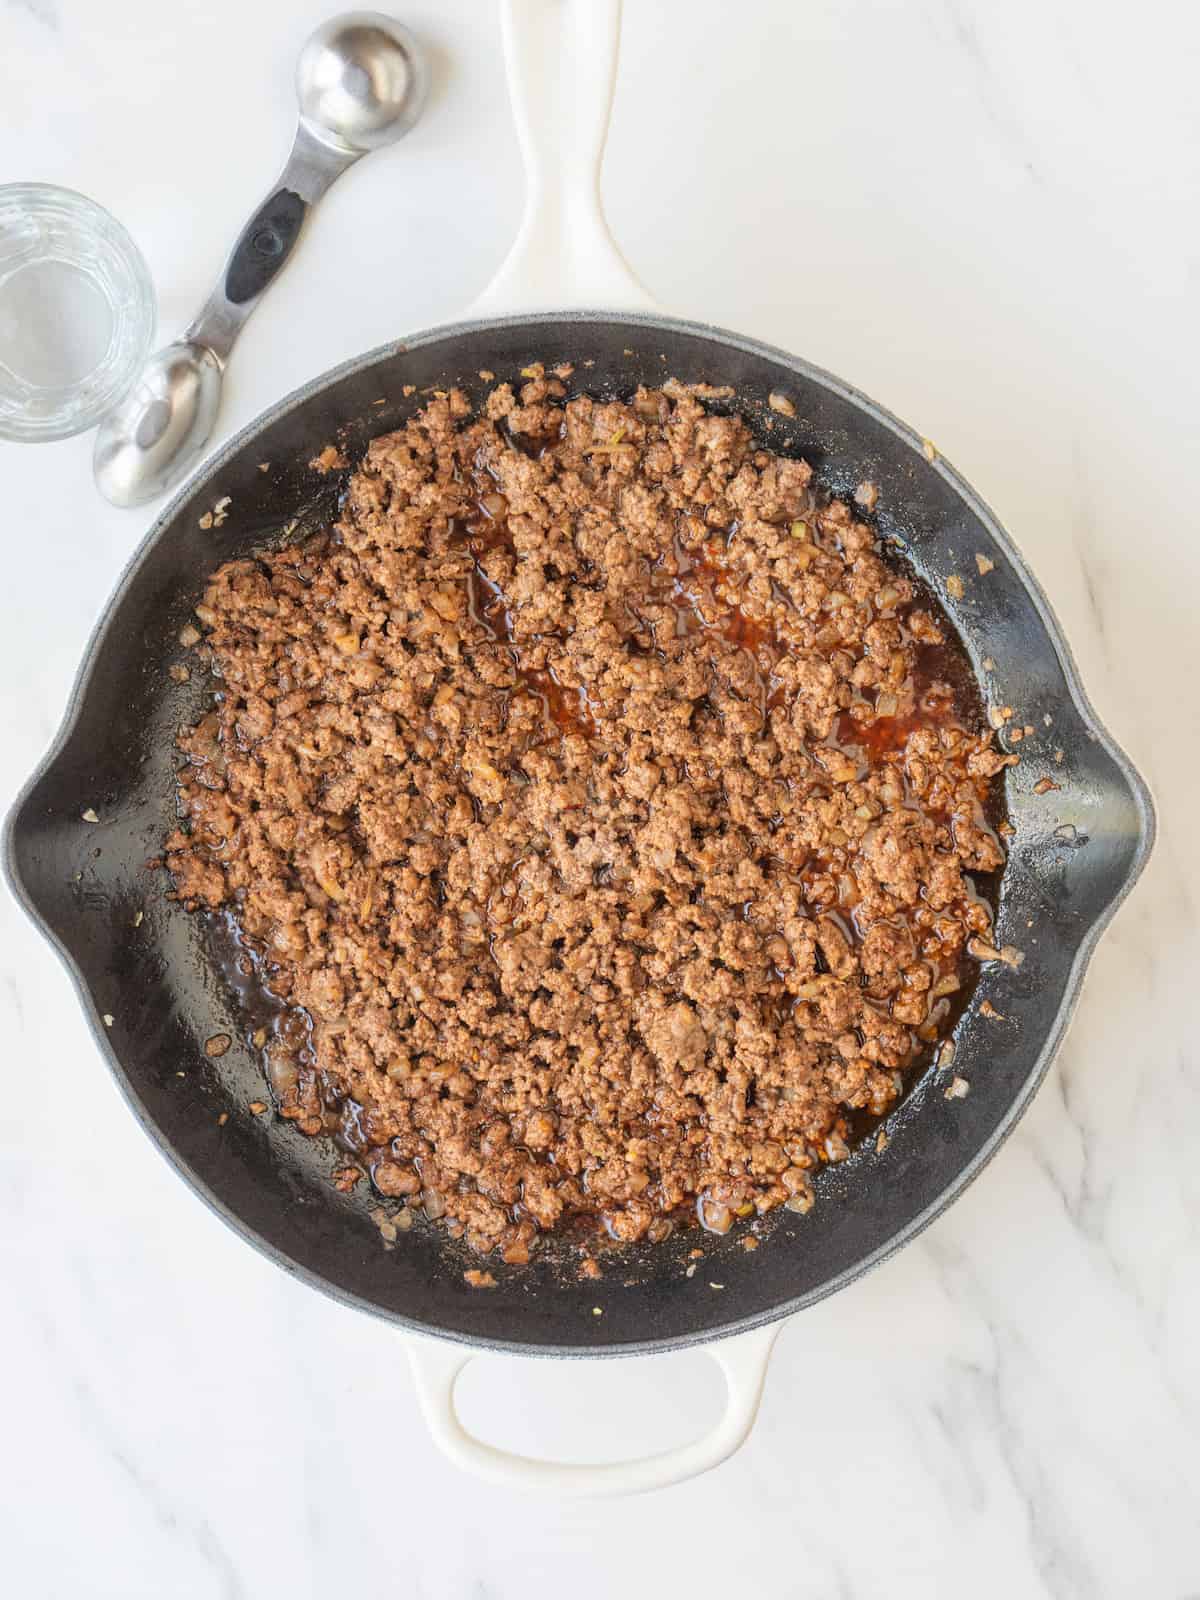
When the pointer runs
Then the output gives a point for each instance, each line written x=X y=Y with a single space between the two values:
x=1139 y=794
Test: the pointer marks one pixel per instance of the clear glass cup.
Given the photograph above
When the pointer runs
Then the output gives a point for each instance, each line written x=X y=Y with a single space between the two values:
x=77 y=312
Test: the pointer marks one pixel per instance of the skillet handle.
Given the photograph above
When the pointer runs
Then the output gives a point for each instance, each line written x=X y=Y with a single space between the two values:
x=561 y=60
x=743 y=1359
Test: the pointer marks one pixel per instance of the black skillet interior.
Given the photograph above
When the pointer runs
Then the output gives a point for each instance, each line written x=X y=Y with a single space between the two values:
x=1078 y=847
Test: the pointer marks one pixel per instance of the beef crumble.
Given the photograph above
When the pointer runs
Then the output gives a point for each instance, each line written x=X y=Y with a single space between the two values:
x=594 y=798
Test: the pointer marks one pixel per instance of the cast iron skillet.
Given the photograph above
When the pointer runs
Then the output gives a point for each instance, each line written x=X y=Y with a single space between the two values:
x=1076 y=851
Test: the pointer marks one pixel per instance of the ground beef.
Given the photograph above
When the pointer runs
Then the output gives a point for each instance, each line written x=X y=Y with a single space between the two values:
x=594 y=800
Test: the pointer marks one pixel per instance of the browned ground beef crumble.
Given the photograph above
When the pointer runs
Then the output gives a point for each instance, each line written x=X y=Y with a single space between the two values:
x=593 y=794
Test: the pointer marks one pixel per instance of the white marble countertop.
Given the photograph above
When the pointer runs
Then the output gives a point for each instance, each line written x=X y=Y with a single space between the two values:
x=985 y=216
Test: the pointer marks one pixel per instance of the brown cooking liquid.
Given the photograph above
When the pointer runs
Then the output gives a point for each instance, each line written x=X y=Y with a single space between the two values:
x=942 y=691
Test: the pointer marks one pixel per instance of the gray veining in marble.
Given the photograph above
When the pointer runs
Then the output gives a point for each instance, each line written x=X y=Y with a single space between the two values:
x=984 y=215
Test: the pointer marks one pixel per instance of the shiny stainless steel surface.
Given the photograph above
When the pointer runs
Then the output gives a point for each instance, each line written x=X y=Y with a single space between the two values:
x=361 y=83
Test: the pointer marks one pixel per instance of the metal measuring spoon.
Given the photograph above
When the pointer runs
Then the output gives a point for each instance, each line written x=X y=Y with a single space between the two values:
x=361 y=82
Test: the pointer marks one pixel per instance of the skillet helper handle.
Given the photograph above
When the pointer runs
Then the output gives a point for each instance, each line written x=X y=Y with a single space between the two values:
x=267 y=240
x=743 y=1359
x=561 y=61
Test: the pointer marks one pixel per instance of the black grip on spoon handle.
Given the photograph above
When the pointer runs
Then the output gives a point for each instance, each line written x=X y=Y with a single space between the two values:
x=264 y=245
